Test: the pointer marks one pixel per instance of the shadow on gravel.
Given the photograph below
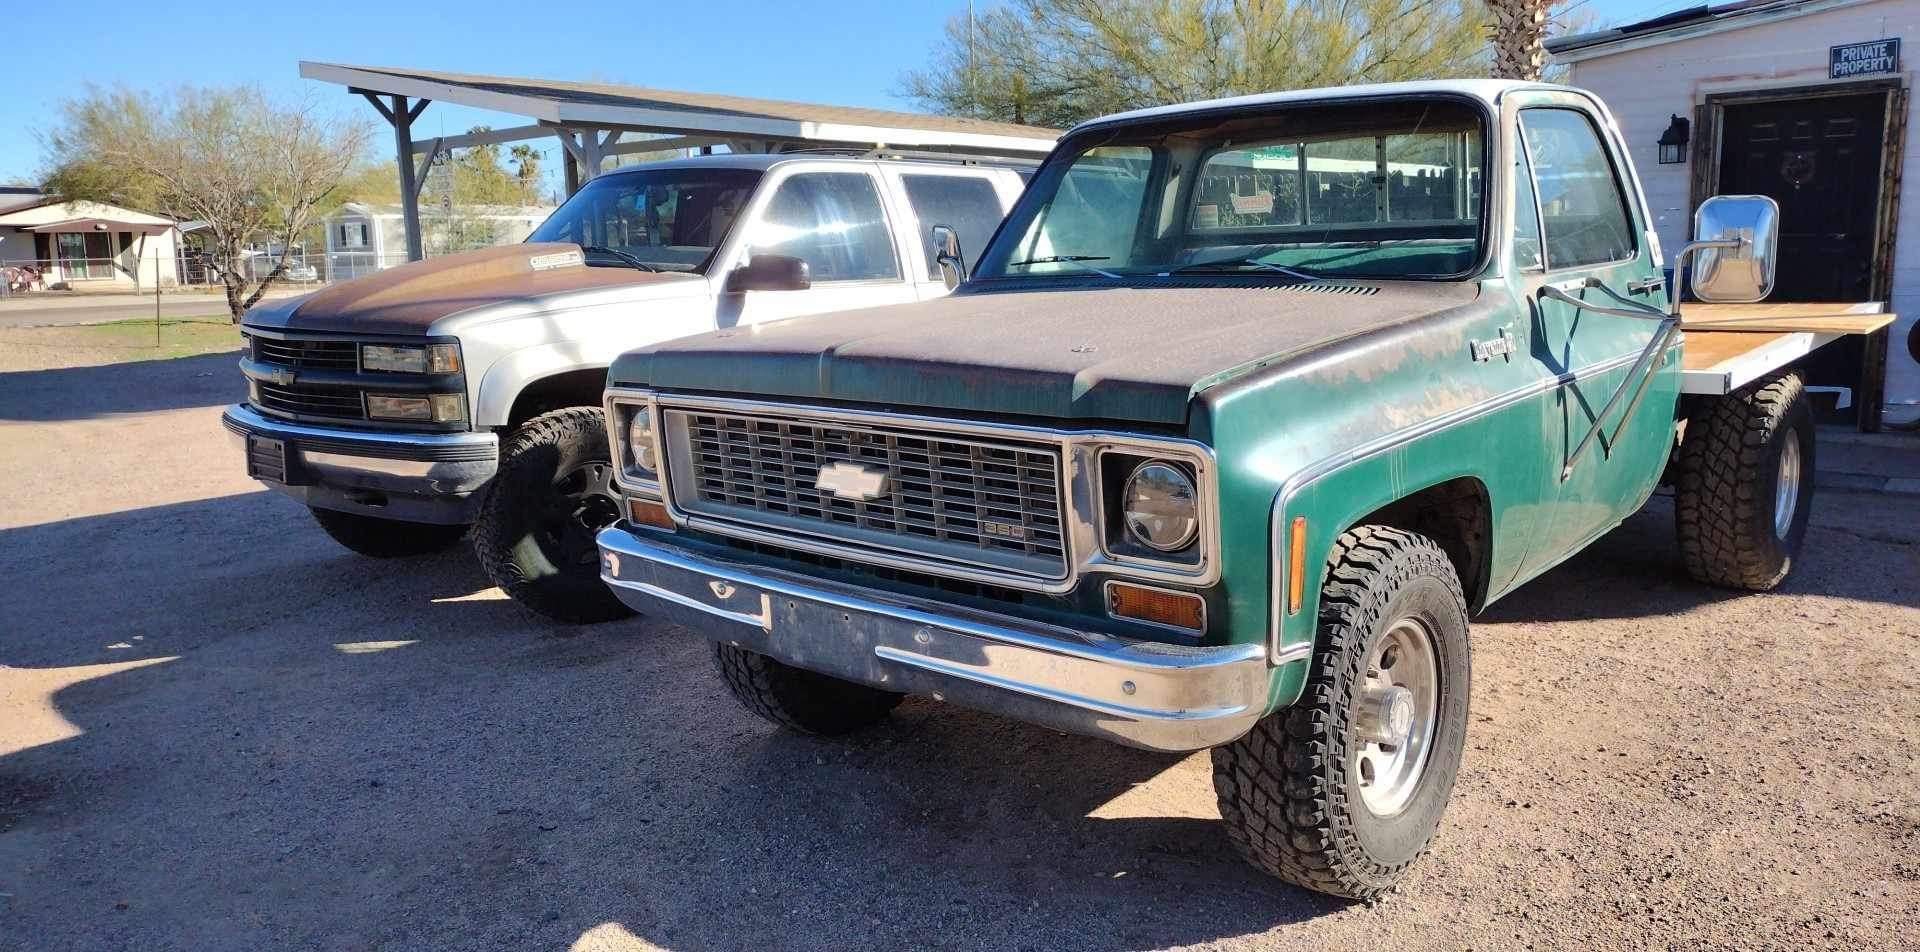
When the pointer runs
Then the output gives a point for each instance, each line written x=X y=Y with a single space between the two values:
x=1635 y=571
x=79 y=393
x=347 y=753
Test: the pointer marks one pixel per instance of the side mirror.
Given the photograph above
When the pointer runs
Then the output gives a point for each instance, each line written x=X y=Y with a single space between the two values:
x=764 y=272
x=946 y=253
x=1738 y=236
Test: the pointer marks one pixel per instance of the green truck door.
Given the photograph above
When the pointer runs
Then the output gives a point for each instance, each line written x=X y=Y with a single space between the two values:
x=1589 y=230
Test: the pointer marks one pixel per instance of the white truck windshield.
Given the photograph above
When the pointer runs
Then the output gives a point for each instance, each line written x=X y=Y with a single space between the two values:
x=664 y=219
x=1384 y=190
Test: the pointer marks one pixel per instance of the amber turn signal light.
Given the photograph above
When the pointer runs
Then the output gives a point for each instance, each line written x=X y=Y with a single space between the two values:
x=1296 y=564
x=646 y=512
x=1158 y=606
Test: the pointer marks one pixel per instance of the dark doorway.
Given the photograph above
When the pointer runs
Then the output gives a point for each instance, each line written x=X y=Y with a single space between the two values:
x=1820 y=159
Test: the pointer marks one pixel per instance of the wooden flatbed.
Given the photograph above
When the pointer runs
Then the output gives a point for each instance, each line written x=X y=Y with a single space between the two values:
x=1731 y=345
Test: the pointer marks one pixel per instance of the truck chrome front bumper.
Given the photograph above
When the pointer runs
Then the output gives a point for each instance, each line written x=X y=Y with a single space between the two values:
x=417 y=477
x=1144 y=694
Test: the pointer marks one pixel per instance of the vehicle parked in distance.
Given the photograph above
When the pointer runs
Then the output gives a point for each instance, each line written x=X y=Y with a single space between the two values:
x=407 y=406
x=1246 y=407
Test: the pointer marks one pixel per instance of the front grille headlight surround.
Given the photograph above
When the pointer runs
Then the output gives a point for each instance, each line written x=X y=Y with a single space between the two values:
x=633 y=433
x=410 y=358
x=417 y=408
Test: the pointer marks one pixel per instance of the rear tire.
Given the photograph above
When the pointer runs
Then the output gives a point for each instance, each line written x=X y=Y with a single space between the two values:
x=798 y=699
x=1745 y=486
x=1313 y=794
x=379 y=538
x=535 y=533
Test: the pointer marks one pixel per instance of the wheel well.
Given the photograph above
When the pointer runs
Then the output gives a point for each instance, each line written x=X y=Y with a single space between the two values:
x=575 y=388
x=1458 y=516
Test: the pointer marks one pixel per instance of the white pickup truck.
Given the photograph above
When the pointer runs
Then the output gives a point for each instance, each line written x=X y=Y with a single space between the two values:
x=464 y=391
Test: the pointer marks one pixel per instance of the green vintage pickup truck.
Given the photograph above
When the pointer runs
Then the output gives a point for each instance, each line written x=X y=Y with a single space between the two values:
x=1246 y=408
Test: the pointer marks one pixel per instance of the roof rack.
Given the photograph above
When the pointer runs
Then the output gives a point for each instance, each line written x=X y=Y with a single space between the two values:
x=918 y=155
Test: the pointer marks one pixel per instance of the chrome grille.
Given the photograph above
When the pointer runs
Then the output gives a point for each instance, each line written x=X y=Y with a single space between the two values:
x=309 y=401
x=948 y=496
x=315 y=354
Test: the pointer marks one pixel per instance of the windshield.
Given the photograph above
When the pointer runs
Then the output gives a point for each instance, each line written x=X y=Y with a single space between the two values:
x=667 y=219
x=1378 y=190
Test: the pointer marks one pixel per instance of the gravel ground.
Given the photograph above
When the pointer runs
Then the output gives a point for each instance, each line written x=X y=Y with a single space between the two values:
x=220 y=731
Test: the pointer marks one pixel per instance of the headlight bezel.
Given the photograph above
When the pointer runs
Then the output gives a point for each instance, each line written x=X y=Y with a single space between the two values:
x=634 y=471
x=436 y=358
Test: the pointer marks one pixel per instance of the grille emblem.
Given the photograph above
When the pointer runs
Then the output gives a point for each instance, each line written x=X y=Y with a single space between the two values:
x=853 y=481
x=281 y=376
x=1004 y=530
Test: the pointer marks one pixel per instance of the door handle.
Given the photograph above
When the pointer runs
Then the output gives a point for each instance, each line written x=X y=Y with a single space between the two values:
x=1646 y=285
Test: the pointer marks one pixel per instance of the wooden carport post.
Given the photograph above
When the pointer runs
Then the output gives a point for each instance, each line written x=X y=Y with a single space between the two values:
x=401 y=116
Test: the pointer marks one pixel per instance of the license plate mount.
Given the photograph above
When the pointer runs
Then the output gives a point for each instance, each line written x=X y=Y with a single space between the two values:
x=267 y=459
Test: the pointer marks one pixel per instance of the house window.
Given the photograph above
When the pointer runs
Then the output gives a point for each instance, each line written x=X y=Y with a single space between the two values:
x=84 y=254
x=353 y=234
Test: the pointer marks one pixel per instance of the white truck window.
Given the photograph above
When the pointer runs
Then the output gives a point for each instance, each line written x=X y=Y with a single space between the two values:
x=1582 y=209
x=834 y=222
x=967 y=203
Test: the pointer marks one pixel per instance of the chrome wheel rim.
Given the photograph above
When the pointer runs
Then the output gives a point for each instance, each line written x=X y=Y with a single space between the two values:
x=1395 y=716
x=1786 y=492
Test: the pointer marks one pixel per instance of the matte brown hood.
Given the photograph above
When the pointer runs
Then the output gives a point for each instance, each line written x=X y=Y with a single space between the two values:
x=409 y=298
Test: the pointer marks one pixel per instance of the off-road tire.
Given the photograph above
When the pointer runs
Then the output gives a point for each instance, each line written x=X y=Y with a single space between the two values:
x=1729 y=466
x=1288 y=790
x=802 y=700
x=380 y=538
x=520 y=545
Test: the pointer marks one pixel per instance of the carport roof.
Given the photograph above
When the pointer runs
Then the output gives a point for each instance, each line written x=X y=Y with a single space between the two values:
x=609 y=105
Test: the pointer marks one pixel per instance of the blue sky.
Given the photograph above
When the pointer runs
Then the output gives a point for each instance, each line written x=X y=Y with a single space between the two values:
x=851 y=52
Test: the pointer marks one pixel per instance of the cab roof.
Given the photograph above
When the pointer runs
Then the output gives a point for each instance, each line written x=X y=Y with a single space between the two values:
x=1487 y=91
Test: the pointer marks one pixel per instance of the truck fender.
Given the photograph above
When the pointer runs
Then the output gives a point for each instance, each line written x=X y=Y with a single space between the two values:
x=513 y=373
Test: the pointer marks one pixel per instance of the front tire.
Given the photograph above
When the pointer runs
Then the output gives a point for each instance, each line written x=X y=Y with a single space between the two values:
x=535 y=533
x=1341 y=792
x=798 y=699
x=379 y=538
x=1745 y=485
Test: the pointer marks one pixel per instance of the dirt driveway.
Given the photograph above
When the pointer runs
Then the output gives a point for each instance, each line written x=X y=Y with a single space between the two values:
x=220 y=731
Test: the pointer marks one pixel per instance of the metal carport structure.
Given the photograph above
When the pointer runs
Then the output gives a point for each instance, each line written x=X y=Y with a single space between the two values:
x=594 y=121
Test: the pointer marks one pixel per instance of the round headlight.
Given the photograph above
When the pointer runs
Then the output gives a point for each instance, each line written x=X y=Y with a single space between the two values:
x=1160 y=508
x=640 y=439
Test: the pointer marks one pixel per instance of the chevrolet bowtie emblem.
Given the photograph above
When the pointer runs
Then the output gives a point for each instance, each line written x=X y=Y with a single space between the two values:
x=281 y=376
x=852 y=481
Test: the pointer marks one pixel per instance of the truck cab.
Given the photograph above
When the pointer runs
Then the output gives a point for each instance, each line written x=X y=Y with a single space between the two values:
x=461 y=394
x=1243 y=412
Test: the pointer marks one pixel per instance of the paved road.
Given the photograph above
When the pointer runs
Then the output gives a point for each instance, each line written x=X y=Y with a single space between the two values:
x=51 y=308
x=219 y=731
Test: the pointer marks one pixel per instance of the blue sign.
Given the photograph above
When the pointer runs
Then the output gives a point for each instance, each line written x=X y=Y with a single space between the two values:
x=1872 y=58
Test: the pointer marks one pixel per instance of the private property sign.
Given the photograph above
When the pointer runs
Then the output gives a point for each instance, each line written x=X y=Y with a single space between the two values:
x=1871 y=58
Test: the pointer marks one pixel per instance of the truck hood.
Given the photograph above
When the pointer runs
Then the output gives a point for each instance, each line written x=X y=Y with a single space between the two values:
x=1114 y=354
x=410 y=298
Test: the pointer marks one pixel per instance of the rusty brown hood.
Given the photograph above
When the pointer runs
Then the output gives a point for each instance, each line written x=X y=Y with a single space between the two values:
x=410 y=298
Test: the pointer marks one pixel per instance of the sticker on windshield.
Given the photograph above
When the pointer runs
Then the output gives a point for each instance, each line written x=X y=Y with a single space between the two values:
x=559 y=259
x=1259 y=203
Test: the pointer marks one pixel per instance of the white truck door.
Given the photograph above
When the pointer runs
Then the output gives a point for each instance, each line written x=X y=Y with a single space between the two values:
x=970 y=200
x=834 y=217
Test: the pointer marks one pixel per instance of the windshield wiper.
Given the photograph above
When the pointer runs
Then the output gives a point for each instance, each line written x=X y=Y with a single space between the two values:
x=1250 y=262
x=622 y=255
x=1076 y=260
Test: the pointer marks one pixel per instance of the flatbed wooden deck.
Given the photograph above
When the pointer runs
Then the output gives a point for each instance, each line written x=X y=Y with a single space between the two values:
x=1730 y=345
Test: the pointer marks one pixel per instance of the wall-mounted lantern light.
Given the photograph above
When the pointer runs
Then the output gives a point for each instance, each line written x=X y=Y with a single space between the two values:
x=1673 y=142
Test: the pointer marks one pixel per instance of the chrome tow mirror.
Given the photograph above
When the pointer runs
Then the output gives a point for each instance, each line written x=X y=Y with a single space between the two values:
x=1735 y=249
x=946 y=253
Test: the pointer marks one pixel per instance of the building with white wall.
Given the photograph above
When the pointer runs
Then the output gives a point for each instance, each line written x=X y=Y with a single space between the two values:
x=87 y=245
x=1804 y=100
x=364 y=238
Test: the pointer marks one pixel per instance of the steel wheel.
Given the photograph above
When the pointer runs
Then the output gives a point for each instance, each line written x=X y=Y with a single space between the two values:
x=1786 y=490
x=1395 y=715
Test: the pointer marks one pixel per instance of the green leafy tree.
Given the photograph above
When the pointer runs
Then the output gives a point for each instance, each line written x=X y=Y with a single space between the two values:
x=250 y=167
x=1056 y=62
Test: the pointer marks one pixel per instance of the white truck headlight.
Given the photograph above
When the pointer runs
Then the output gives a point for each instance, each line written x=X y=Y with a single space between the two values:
x=1159 y=507
x=426 y=408
x=411 y=358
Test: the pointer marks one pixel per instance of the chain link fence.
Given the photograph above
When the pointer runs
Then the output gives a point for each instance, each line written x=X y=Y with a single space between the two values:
x=188 y=270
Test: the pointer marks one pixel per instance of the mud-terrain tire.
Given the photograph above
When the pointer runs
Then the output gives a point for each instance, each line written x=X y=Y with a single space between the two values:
x=802 y=700
x=553 y=493
x=1300 y=794
x=379 y=538
x=1745 y=485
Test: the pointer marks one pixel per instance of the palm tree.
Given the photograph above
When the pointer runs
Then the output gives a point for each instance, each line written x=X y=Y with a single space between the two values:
x=1519 y=27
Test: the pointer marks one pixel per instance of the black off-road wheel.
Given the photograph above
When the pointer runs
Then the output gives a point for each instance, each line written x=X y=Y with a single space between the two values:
x=535 y=535
x=1341 y=792
x=1745 y=484
x=380 y=538
x=798 y=699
